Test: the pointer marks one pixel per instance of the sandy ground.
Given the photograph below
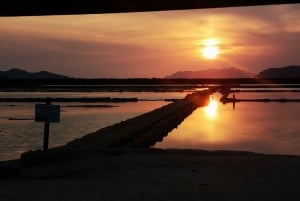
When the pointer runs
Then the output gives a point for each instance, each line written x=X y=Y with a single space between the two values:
x=160 y=175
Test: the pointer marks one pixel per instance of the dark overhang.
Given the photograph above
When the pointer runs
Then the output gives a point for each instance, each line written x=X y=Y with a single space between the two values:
x=69 y=7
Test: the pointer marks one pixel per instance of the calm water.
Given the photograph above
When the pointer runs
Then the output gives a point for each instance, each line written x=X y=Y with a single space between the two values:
x=17 y=136
x=259 y=127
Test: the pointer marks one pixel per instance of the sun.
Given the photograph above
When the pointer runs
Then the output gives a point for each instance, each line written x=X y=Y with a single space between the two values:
x=210 y=52
x=211 y=48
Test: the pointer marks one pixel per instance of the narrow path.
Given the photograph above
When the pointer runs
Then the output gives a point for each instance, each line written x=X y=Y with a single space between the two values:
x=144 y=130
x=225 y=91
x=139 y=132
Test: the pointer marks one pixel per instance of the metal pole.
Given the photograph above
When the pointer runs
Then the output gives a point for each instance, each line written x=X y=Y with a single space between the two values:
x=46 y=129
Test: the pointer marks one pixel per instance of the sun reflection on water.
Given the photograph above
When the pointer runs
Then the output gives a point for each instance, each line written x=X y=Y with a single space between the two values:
x=211 y=108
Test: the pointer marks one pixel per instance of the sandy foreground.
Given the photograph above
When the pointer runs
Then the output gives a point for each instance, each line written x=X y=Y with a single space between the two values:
x=153 y=174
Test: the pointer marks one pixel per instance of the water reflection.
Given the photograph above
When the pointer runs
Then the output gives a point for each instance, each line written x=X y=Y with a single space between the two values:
x=211 y=108
x=259 y=127
x=17 y=137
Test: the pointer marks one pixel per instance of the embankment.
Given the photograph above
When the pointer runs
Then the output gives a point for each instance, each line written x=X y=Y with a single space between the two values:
x=139 y=132
x=144 y=130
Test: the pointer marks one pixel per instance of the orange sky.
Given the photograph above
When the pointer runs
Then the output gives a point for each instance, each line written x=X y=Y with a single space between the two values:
x=153 y=44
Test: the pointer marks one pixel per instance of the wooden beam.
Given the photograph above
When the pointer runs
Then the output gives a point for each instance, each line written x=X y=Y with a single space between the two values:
x=70 y=7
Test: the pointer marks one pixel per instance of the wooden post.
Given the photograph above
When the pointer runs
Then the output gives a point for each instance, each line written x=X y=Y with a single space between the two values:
x=233 y=101
x=46 y=129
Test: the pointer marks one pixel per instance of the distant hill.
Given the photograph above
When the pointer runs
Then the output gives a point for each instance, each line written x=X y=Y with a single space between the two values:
x=212 y=73
x=283 y=72
x=16 y=73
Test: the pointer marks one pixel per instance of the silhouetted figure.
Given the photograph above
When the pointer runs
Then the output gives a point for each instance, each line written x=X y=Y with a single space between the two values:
x=233 y=101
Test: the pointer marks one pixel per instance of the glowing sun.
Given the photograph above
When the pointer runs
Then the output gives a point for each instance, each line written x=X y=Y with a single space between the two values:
x=211 y=49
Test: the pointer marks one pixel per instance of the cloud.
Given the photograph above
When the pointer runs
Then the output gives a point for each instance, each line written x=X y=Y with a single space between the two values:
x=79 y=57
x=151 y=44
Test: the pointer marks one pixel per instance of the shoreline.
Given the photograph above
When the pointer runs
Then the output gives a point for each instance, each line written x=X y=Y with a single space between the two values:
x=86 y=170
x=156 y=174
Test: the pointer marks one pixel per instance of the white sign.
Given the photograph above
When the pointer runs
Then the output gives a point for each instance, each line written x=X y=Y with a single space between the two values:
x=47 y=113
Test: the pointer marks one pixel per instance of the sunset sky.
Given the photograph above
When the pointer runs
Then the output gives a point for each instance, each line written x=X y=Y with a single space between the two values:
x=152 y=44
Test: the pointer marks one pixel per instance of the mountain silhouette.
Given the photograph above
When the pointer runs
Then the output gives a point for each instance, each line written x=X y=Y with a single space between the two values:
x=212 y=73
x=16 y=73
x=283 y=72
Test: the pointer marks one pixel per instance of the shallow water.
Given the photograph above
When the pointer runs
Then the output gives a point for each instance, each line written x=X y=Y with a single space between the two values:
x=18 y=136
x=271 y=128
x=259 y=127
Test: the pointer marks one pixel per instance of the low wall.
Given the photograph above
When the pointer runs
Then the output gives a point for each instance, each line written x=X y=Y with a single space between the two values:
x=143 y=130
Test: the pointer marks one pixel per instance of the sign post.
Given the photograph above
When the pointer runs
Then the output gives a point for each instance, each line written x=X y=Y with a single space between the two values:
x=46 y=129
x=47 y=113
